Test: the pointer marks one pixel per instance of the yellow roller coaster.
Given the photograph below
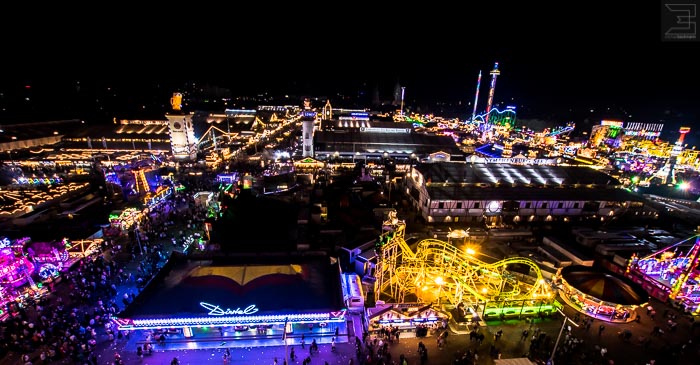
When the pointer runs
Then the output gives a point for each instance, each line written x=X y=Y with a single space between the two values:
x=438 y=271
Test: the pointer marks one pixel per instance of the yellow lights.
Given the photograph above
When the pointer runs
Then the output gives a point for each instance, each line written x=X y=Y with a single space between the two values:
x=542 y=281
x=470 y=251
x=484 y=290
x=439 y=280
x=424 y=288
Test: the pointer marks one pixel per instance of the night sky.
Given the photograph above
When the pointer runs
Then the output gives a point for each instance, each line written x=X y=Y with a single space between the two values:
x=557 y=62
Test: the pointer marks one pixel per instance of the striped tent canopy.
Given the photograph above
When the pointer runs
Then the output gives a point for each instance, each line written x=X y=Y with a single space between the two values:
x=604 y=286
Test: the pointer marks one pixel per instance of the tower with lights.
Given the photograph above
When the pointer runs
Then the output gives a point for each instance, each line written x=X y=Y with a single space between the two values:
x=182 y=140
x=327 y=110
x=476 y=97
x=675 y=152
x=308 y=119
x=494 y=74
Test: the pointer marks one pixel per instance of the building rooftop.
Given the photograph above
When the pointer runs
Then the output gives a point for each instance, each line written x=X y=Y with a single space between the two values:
x=526 y=175
x=27 y=131
x=355 y=140
x=505 y=193
x=273 y=284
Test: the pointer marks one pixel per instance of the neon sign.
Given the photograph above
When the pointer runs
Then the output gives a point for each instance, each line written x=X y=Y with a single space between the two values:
x=215 y=310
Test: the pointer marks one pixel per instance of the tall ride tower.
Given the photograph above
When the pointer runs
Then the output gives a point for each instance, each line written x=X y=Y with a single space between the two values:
x=476 y=97
x=308 y=118
x=494 y=74
x=675 y=152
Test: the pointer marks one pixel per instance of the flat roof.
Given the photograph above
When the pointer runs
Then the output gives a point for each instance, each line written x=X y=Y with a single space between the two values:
x=533 y=175
x=506 y=193
x=419 y=143
x=272 y=284
x=27 y=131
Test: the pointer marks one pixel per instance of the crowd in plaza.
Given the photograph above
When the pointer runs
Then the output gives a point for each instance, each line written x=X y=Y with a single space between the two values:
x=70 y=322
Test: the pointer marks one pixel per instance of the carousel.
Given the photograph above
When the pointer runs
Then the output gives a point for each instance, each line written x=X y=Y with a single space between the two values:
x=604 y=296
x=17 y=287
x=15 y=268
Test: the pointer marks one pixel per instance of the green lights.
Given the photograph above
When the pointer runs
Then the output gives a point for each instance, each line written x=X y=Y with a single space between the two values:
x=517 y=310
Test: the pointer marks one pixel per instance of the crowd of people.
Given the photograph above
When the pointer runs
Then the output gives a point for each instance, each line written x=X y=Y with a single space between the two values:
x=71 y=320
x=376 y=347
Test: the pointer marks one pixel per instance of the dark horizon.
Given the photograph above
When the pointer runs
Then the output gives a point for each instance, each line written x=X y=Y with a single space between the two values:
x=556 y=63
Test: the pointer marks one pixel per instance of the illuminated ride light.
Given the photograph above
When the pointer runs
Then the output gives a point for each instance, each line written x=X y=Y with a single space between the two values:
x=48 y=270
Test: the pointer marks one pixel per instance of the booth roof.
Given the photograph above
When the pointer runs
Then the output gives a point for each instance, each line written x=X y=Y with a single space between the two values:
x=272 y=284
x=607 y=287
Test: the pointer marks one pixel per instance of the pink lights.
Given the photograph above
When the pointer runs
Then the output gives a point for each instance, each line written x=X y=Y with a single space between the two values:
x=179 y=322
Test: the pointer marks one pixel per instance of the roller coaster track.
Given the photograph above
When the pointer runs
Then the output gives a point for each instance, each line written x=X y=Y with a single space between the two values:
x=459 y=276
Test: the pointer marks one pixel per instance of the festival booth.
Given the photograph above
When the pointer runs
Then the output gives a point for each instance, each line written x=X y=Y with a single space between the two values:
x=410 y=316
x=604 y=296
x=153 y=198
x=245 y=297
x=125 y=219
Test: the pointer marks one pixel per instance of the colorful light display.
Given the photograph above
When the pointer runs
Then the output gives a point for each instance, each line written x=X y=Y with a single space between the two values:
x=181 y=322
x=15 y=268
x=492 y=90
x=671 y=271
x=476 y=97
x=38 y=181
x=215 y=310
x=505 y=118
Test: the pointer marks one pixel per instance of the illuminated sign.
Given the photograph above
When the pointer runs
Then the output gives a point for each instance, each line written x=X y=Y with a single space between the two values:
x=644 y=127
x=615 y=123
x=143 y=122
x=4 y=242
x=215 y=310
x=308 y=114
x=643 y=133
x=520 y=161
x=385 y=130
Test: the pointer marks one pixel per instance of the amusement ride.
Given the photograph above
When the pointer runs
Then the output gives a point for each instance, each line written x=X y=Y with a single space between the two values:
x=671 y=273
x=438 y=272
